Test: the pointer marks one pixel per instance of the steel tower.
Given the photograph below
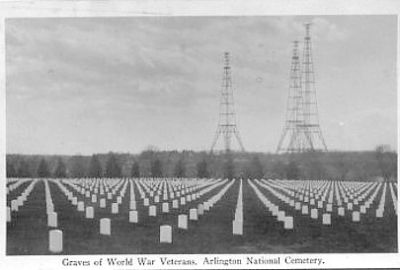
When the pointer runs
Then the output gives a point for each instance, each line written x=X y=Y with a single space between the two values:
x=227 y=121
x=302 y=122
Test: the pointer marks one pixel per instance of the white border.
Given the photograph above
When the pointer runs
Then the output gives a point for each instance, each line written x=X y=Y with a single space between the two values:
x=122 y=8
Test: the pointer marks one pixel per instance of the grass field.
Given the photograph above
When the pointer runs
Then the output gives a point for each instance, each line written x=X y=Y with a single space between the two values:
x=28 y=232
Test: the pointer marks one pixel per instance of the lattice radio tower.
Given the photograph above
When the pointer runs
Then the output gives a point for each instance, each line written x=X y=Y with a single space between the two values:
x=302 y=132
x=227 y=120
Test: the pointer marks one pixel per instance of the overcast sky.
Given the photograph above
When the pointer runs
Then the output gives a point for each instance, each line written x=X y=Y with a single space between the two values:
x=90 y=85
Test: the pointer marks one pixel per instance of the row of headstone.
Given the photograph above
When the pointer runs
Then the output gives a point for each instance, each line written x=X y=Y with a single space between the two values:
x=22 y=198
x=280 y=215
x=237 y=223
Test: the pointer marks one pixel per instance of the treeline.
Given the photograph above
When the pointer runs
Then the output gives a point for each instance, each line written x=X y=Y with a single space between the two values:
x=361 y=166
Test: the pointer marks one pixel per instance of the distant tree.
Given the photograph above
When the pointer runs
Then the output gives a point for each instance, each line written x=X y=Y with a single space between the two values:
x=112 y=167
x=387 y=161
x=202 y=169
x=78 y=168
x=278 y=170
x=229 y=168
x=43 y=169
x=180 y=170
x=156 y=168
x=256 y=168
x=95 y=169
x=23 y=169
x=10 y=170
x=135 y=170
x=61 y=170
x=292 y=170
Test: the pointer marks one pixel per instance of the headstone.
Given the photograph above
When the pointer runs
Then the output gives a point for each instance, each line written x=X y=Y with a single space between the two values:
x=87 y=194
x=304 y=210
x=356 y=216
x=133 y=216
x=206 y=206
x=132 y=205
x=379 y=213
x=81 y=206
x=182 y=222
x=326 y=219
x=14 y=205
x=193 y=214
x=297 y=205
x=281 y=215
x=114 y=208
x=237 y=227
x=175 y=204
x=341 y=211
x=165 y=197
x=89 y=212
x=102 y=203
x=200 y=209
x=329 y=207
x=94 y=198
x=363 y=209
x=152 y=211
x=312 y=202
x=52 y=219
x=156 y=199
x=105 y=226
x=74 y=200
x=146 y=202
x=183 y=201
x=166 y=234
x=188 y=198
x=314 y=213
x=349 y=206
x=320 y=204
x=55 y=241
x=288 y=223
x=119 y=199
x=109 y=196
x=165 y=207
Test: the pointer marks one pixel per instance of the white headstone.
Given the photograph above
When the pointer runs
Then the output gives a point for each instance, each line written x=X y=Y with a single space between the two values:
x=326 y=219
x=165 y=234
x=87 y=194
x=193 y=214
x=379 y=212
x=146 y=202
x=119 y=199
x=52 y=219
x=89 y=212
x=183 y=201
x=105 y=226
x=175 y=204
x=304 y=210
x=237 y=227
x=297 y=205
x=74 y=200
x=200 y=209
x=356 y=216
x=81 y=206
x=312 y=202
x=182 y=222
x=281 y=215
x=320 y=204
x=152 y=211
x=341 y=211
x=188 y=198
x=14 y=205
x=288 y=223
x=55 y=241
x=156 y=199
x=133 y=216
x=94 y=198
x=206 y=206
x=102 y=203
x=165 y=196
x=363 y=209
x=314 y=213
x=165 y=207
x=114 y=208
x=109 y=196
x=349 y=206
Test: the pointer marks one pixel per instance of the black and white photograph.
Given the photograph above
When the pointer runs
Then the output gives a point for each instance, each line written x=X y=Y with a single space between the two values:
x=218 y=135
